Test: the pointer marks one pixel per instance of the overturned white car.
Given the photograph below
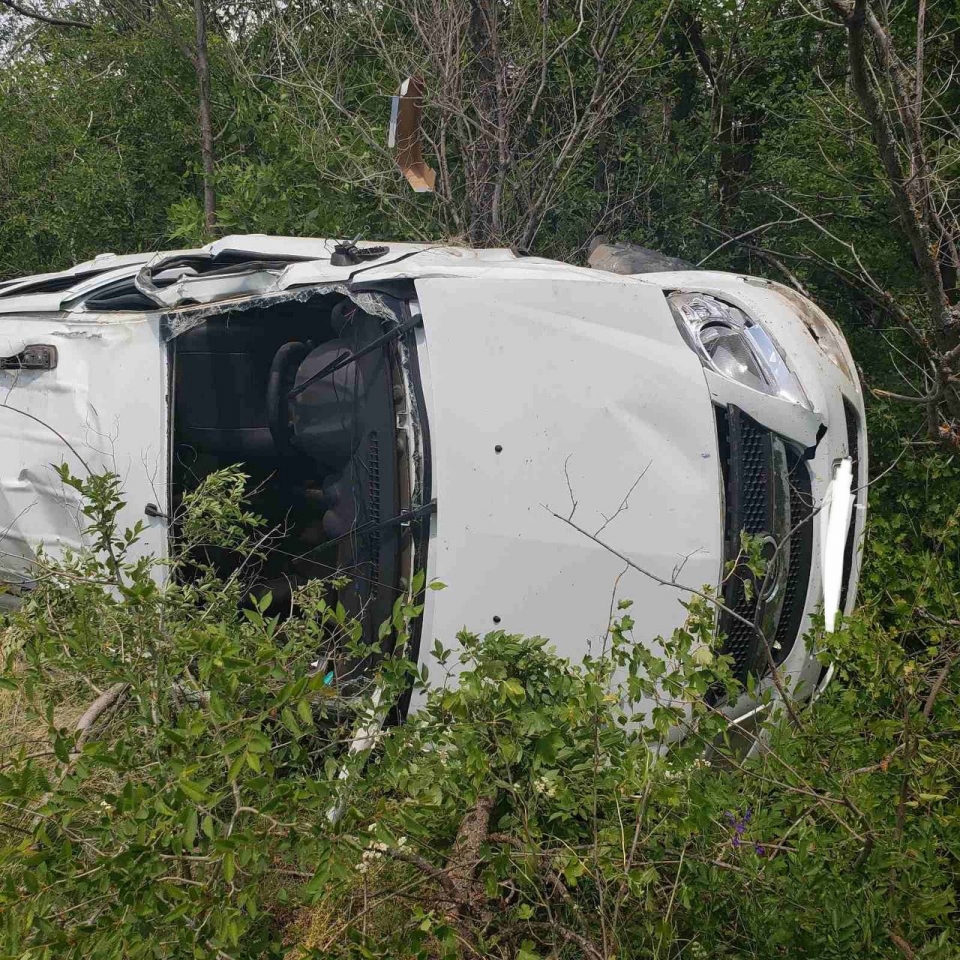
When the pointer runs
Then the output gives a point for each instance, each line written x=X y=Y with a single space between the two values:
x=405 y=407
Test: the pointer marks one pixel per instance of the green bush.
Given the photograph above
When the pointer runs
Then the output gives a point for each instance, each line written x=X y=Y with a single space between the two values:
x=222 y=805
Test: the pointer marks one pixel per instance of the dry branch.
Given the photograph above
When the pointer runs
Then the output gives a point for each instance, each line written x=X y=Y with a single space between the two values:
x=84 y=728
x=45 y=17
x=85 y=724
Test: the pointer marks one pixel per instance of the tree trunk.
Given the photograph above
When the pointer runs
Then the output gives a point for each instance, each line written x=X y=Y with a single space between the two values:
x=202 y=65
x=483 y=190
x=893 y=110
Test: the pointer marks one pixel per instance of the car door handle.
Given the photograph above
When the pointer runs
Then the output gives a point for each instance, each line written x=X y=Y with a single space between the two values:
x=36 y=356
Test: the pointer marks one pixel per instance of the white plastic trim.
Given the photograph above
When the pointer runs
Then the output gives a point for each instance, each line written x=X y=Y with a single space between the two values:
x=835 y=522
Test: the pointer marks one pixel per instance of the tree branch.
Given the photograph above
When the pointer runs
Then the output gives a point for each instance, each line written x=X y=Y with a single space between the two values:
x=908 y=205
x=45 y=18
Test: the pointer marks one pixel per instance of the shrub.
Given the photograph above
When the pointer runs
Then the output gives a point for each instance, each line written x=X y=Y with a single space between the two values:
x=213 y=800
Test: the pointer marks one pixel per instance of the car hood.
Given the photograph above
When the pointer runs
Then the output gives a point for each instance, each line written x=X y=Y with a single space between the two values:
x=555 y=402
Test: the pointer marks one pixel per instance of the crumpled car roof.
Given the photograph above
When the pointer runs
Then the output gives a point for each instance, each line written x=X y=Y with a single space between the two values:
x=285 y=262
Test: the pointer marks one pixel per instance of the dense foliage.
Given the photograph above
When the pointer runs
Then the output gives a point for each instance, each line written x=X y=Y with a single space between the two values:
x=218 y=806
x=734 y=110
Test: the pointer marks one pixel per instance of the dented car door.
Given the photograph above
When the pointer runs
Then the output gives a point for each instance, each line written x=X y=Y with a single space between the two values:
x=89 y=393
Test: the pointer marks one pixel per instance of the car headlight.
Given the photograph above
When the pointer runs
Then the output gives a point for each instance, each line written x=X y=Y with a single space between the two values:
x=735 y=346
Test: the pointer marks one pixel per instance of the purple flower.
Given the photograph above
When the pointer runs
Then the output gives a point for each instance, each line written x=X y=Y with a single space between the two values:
x=739 y=823
x=760 y=852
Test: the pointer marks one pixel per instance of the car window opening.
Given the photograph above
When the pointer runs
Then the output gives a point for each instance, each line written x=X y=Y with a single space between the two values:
x=323 y=461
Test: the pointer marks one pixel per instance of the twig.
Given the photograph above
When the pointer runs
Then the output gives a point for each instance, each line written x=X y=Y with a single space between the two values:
x=428 y=869
x=571 y=936
x=718 y=604
x=624 y=503
x=902 y=945
x=573 y=499
x=938 y=686
x=84 y=728
x=93 y=713
x=43 y=423
x=45 y=18
x=747 y=233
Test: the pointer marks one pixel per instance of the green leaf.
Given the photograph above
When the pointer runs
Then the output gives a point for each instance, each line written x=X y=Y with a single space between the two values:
x=190 y=828
x=235 y=767
x=193 y=790
x=290 y=722
x=527 y=951
x=305 y=712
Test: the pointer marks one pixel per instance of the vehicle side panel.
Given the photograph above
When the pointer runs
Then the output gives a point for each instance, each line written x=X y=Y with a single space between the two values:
x=104 y=405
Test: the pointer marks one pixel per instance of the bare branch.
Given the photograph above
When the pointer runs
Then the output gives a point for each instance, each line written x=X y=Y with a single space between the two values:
x=713 y=601
x=624 y=503
x=45 y=17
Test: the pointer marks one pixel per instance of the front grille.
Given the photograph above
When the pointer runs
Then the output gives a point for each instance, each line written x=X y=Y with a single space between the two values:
x=755 y=467
x=853 y=447
x=801 y=555
x=746 y=453
x=754 y=477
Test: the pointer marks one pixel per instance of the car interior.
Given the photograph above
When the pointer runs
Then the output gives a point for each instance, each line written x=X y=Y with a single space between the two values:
x=302 y=395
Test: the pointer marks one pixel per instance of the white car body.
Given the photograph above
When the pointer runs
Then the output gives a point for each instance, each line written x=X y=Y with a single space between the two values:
x=528 y=389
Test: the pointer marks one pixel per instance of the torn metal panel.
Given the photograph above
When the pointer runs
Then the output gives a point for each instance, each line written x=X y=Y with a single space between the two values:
x=209 y=289
x=300 y=281
x=68 y=279
x=246 y=283
x=175 y=323
x=264 y=246
x=455 y=262
x=401 y=263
